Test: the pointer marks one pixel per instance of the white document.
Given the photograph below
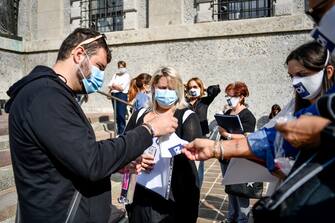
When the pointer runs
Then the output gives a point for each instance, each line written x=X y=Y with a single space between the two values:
x=159 y=177
x=171 y=145
x=243 y=171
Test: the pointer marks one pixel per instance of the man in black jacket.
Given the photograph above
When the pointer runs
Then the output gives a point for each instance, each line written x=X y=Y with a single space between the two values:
x=62 y=173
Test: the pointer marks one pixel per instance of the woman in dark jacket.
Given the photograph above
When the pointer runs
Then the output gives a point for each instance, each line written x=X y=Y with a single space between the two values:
x=180 y=201
x=199 y=103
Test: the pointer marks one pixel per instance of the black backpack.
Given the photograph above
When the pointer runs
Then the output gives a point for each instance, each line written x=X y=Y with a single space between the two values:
x=307 y=194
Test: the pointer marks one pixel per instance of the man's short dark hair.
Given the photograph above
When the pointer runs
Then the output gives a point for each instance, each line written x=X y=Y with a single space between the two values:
x=78 y=36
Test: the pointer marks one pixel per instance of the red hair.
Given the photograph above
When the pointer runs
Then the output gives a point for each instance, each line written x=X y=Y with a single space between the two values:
x=239 y=88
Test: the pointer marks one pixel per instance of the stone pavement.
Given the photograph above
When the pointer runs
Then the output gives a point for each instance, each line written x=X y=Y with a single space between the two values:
x=213 y=199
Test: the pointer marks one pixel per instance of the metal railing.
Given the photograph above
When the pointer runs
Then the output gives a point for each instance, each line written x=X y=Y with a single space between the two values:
x=102 y=15
x=242 y=9
x=114 y=99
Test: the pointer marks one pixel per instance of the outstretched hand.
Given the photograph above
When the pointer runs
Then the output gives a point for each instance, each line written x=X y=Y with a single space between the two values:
x=199 y=149
x=304 y=131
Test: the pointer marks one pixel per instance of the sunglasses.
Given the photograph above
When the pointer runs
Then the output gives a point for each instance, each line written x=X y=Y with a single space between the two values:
x=314 y=13
x=91 y=40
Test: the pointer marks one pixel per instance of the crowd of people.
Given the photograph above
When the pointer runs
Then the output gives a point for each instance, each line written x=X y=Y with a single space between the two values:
x=66 y=177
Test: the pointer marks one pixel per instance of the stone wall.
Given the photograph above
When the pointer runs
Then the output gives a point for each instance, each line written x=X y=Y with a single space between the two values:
x=11 y=69
x=189 y=12
x=252 y=50
x=142 y=8
x=258 y=60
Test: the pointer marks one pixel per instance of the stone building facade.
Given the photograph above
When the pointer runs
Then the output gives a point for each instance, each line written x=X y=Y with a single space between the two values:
x=185 y=34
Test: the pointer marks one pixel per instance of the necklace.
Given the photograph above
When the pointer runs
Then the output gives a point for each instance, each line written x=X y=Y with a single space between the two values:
x=62 y=78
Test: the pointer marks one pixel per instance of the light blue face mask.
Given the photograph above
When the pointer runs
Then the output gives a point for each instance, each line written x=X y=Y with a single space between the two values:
x=95 y=81
x=165 y=97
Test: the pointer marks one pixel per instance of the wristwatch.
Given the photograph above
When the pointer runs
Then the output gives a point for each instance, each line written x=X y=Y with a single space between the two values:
x=228 y=136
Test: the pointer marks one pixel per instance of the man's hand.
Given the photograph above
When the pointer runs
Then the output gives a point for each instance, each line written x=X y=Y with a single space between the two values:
x=305 y=131
x=163 y=124
x=199 y=149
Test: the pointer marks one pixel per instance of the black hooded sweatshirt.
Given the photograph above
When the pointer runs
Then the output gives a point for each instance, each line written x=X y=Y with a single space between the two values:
x=54 y=152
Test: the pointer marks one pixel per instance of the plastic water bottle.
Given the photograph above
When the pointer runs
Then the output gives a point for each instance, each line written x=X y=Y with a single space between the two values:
x=283 y=162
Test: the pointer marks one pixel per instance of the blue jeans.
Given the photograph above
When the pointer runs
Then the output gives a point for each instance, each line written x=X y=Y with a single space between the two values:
x=120 y=111
x=238 y=207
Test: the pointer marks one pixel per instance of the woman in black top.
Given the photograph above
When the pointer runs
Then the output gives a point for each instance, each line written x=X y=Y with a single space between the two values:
x=238 y=207
x=199 y=103
x=181 y=202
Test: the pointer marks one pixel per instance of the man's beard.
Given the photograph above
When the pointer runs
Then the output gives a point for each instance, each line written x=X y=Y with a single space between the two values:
x=85 y=69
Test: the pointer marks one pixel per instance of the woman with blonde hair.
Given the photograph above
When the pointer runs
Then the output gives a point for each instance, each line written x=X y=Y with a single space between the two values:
x=181 y=200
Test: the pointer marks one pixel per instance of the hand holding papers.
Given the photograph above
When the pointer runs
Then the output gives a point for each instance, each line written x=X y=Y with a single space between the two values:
x=171 y=145
x=231 y=123
x=159 y=178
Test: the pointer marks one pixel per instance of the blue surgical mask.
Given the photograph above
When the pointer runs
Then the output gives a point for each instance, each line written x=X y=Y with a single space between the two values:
x=165 y=97
x=95 y=81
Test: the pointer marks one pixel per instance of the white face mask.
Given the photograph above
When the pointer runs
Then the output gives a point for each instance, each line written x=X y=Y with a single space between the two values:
x=194 y=92
x=232 y=101
x=325 y=32
x=122 y=70
x=308 y=87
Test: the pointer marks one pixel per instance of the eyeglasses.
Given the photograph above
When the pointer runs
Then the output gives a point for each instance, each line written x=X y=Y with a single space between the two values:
x=314 y=13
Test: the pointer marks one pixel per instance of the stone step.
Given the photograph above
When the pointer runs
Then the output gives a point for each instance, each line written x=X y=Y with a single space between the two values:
x=3 y=129
x=3 y=116
x=103 y=126
x=12 y=220
x=6 y=177
x=99 y=117
x=4 y=142
x=5 y=158
x=4 y=124
x=8 y=201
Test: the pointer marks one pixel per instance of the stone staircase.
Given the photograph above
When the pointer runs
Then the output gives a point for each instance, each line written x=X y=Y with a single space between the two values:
x=103 y=126
x=7 y=185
